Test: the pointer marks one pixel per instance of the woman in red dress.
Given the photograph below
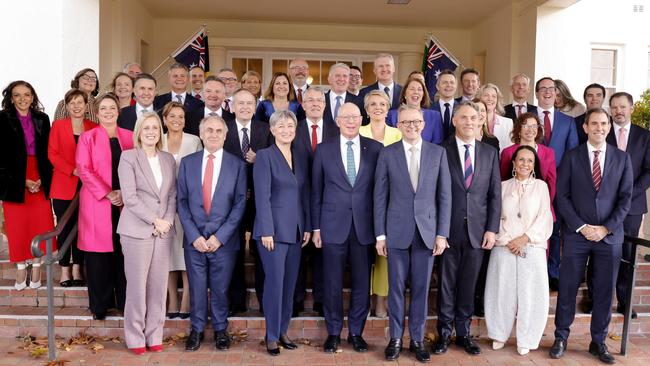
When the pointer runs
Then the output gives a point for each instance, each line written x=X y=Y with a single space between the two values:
x=25 y=176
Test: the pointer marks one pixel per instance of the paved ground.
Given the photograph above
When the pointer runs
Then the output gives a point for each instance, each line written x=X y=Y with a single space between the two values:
x=253 y=353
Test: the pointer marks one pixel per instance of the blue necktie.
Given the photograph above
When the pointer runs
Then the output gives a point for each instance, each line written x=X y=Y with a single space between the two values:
x=350 y=169
x=180 y=98
x=469 y=171
x=337 y=106
x=387 y=91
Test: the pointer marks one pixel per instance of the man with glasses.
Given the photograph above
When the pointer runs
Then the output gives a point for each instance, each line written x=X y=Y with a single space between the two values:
x=343 y=225
x=412 y=211
x=299 y=72
x=229 y=79
x=356 y=80
x=178 y=80
x=559 y=134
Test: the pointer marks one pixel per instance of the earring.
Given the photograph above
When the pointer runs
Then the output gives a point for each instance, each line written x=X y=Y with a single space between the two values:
x=532 y=174
x=514 y=173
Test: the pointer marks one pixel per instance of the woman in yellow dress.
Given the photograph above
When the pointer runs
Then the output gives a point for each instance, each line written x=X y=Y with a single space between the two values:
x=377 y=104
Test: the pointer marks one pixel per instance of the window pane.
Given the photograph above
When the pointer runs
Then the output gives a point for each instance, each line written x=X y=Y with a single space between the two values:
x=255 y=64
x=367 y=73
x=280 y=66
x=325 y=69
x=602 y=76
x=314 y=71
x=603 y=58
x=239 y=66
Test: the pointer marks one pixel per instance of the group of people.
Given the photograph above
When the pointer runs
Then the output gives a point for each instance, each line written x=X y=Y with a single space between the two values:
x=383 y=181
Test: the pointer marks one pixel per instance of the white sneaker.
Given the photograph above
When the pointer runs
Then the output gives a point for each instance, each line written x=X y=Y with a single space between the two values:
x=497 y=345
x=523 y=351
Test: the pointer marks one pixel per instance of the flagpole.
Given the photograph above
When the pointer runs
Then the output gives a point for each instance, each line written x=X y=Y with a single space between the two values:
x=179 y=47
x=449 y=54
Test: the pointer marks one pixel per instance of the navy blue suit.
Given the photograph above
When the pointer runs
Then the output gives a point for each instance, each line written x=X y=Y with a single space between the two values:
x=193 y=119
x=511 y=112
x=211 y=270
x=475 y=210
x=564 y=137
x=411 y=220
x=349 y=98
x=190 y=103
x=303 y=136
x=579 y=203
x=394 y=103
x=433 y=130
x=343 y=214
x=127 y=117
x=282 y=204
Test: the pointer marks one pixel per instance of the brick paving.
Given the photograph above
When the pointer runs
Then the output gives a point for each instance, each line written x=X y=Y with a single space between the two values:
x=252 y=352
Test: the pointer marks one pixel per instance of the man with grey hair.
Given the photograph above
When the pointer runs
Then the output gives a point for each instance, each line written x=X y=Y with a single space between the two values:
x=299 y=73
x=338 y=79
x=229 y=79
x=214 y=92
x=178 y=79
x=520 y=88
x=384 y=69
x=133 y=69
x=210 y=218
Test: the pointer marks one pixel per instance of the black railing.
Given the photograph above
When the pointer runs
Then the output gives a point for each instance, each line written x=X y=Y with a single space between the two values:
x=50 y=259
x=636 y=242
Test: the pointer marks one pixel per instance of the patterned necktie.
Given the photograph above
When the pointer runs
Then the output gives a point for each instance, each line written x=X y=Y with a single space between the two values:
x=596 y=174
x=622 y=140
x=337 y=106
x=547 y=127
x=350 y=168
x=180 y=98
x=446 y=118
x=226 y=104
x=387 y=91
x=519 y=109
x=469 y=171
x=414 y=171
x=213 y=114
x=314 y=137
x=245 y=142
x=207 y=184
x=299 y=92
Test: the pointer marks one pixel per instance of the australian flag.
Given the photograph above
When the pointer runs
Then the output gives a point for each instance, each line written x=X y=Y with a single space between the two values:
x=435 y=60
x=195 y=52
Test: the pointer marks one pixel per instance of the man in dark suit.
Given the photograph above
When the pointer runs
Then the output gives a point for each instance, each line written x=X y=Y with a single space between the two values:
x=338 y=79
x=594 y=96
x=214 y=92
x=594 y=194
x=178 y=79
x=476 y=213
x=310 y=132
x=470 y=81
x=343 y=177
x=299 y=72
x=520 y=88
x=560 y=135
x=384 y=69
x=244 y=138
x=446 y=85
x=144 y=88
x=210 y=215
x=412 y=211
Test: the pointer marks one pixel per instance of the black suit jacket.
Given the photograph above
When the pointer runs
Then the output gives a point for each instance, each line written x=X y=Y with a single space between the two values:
x=512 y=113
x=303 y=137
x=260 y=137
x=479 y=205
x=349 y=98
x=193 y=119
x=638 y=147
x=190 y=103
x=13 y=155
x=394 y=104
x=127 y=118
x=449 y=131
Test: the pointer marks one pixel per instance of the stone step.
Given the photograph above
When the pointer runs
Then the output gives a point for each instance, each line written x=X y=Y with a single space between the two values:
x=21 y=320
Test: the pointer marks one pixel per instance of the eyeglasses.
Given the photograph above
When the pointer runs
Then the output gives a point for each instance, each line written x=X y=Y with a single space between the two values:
x=349 y=117
x=530 y=127
x=229 y=80
x=299 y=68
x=85 y=77
x=550 y=89
x=414 y=122
x=314 y=100
x=355 y=77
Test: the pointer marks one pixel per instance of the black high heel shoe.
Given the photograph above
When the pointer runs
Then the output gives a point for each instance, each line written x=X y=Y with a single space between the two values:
x=272 y=351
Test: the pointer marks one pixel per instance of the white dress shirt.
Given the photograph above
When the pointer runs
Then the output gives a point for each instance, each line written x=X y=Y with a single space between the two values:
x=524 y=108
x=333 y=101
x=461 y=153
x=601 y=157
x=391 y=88
x=175 y=98
x=407 y=152
x=356 y=151
x=218 y=158
x=207 y=111
x=303 y=88
x=540 y=113
x=441 y=103
x=240 y=133
x=319 y=130
x=617 y=132
x=156 y=169
x=139 y=109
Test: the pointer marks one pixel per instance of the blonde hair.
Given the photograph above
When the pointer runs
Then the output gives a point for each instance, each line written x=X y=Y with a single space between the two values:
x=138 y=129
x=479 y=94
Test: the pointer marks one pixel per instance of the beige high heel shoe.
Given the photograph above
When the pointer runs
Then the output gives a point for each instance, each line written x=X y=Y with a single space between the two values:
x=21 y=286
x=35 y=284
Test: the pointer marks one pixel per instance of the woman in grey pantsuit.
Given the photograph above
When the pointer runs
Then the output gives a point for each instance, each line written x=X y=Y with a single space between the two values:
x=148 y=182
x=517 y=283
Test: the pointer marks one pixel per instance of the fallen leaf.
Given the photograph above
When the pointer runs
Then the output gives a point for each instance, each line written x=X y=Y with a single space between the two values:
x=615 y=337
x=96 y=347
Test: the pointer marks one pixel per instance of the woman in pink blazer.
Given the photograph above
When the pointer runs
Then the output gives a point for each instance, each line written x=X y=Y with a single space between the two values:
x=100 y=201
x=148 y=182
x=528 y=131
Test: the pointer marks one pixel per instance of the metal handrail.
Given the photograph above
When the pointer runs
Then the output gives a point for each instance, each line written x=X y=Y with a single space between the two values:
x=628 y=302
x=49 y=260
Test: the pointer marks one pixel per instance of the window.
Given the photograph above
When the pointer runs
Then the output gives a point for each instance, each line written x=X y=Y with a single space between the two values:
x=604 y=68
x=241 y=64
x=648 y=70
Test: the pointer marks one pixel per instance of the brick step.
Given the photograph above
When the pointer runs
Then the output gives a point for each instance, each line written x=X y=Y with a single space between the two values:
x=21 y=320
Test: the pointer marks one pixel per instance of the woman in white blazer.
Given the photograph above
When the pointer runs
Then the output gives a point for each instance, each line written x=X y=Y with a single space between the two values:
x=499 y=126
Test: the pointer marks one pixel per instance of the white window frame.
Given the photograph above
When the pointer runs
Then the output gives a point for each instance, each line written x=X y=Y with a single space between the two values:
x=619 y=49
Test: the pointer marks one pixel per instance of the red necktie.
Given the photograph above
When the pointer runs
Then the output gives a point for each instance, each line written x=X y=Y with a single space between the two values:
x=207 y=184
x=595 y=171
x=519 y=108
x=547 y=127
x=314 y=137
x=299 y=95
x=197 y=96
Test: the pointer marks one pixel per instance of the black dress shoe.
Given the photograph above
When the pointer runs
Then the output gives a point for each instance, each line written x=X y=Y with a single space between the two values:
x=621 y=310
x=554 y=284
x=100 y=315
x=287 y=343
x=469 y=345
x=601 y=351
x=221 y=340
x=558 y=348
x=78 y=283
x=587 y=306
x=318 y=308
x=67 y=283
x=358 y=343
x=193 y=342
x=183 y=315
x=331 y=344
x=420 y=351
x=441 y=346
x=272 y=348
x=393 y=349
x=173 y=315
